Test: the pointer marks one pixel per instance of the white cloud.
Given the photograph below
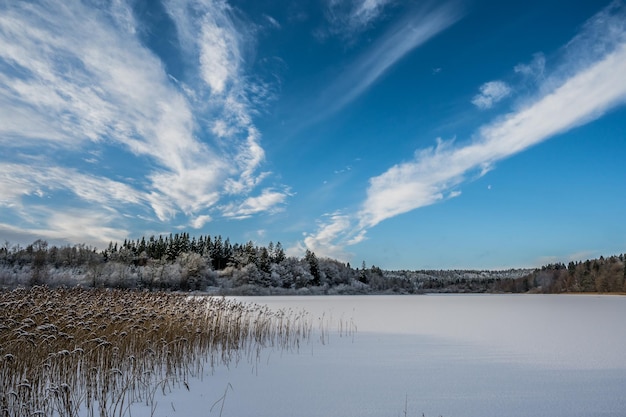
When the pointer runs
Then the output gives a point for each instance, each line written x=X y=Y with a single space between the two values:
x=273 y=22
x=406 y=35
x=328 y=241
x=200 y=221
x=18 y=180
x=596 y=87
x=123 y=15
x=491 y=93
x=535 y=68
x=365 y=11
x=76 y=78
x=81 y=80
x=84 y=226
x=409 y=185
x=94 y=228
x=348 y=18
x=267 y=201
x=250 y=155
x=192 y=189
x=422 y=181
x=600 y=35
x=101 y=200
x=218 y=48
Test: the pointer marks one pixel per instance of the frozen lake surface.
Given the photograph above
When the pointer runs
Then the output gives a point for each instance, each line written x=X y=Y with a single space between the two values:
x=448 y=355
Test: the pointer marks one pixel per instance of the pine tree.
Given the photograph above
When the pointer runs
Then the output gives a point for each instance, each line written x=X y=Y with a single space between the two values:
x=264 y=260
x=278 y=255
x=227 y=253
x=363 y=273
x=217 y=254
x=142 y=245
x=314 y=267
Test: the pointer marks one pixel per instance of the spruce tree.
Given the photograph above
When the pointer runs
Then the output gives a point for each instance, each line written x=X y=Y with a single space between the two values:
x=314 y=267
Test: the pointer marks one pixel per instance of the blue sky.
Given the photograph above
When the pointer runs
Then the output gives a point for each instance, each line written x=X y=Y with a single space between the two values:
x=410 y=135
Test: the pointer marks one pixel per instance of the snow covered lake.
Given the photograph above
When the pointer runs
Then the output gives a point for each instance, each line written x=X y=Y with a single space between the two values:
x=441 y=355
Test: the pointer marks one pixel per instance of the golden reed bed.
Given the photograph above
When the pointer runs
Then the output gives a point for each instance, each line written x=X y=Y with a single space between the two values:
x=71 y=352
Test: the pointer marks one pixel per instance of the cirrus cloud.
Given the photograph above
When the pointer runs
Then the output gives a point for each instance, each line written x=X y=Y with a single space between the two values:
x=491 y=93
x=592 y=85
x=77 y=78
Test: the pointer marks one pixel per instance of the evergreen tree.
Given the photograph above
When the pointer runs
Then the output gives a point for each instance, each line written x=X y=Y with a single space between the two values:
x=227 y=253
x=363 y=273
x=264 y=260
x=250 y=253
x=314 y=267
x=142 y=245
x=278 y=255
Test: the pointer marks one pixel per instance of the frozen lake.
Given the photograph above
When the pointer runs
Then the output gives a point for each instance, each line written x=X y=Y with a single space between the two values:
x=448 y=355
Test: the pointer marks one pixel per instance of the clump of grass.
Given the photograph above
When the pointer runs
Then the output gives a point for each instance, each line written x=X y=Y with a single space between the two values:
x=70 y=352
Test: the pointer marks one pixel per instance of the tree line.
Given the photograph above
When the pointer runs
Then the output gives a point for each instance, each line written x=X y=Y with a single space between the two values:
x=602 y=275
x=176 y=262
x=212 y=263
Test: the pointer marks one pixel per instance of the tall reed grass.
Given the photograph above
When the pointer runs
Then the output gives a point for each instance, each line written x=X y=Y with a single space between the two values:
x=71 y=352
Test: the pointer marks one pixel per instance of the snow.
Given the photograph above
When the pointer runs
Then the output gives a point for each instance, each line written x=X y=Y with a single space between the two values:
x=449 y=355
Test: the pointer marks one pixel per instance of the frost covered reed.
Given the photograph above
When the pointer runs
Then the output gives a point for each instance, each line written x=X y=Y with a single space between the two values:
x=71 y=352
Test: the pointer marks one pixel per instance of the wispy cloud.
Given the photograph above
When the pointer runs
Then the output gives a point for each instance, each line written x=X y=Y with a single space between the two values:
x=21 y=180
x=272 y=22
x=82 y=80
x=491 y=93
x=535 y=68
x=92 y=227
x=200 y=221
x=582 y=95
x=219 y=50
x=330 y=239
x=414 y=30
x=75 y=77
x=93 y=209
x=268 y=200
x=208 y=35
x=364 y=11
x=350 y=17
x=423 y=181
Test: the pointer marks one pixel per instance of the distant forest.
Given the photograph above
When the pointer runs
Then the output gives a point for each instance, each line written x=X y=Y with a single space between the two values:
x=179 y=262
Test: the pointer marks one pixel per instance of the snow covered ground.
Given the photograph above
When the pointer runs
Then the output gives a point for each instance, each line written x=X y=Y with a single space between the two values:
x=449 y=355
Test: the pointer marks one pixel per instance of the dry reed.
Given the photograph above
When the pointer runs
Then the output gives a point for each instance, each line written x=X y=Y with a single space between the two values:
x=70 y=352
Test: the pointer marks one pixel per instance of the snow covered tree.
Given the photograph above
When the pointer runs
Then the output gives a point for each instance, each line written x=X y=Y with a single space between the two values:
x=314 y=267
x=278 y=254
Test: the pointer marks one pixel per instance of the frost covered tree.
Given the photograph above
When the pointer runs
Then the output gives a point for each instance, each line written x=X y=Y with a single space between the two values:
x=314 y=267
